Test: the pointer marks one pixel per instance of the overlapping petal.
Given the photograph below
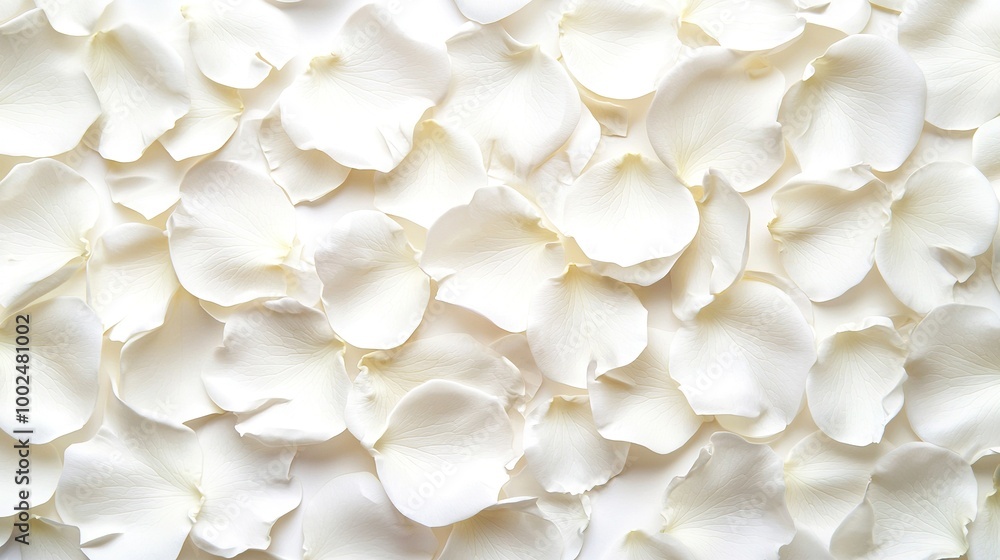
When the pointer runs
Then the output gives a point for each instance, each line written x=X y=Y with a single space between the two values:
x=745 y=358
x=866 y=93
x=492 y=255
x=73 y=18
x=48 y=540
x=489 y=12
x=571 y=516
x=514 y=528
x=306 y=175
x=718 y=110
x=209 y=123
x=984 y=532
x=150 y=185
x=44 y=468
x=373 y=290
x=744 y=26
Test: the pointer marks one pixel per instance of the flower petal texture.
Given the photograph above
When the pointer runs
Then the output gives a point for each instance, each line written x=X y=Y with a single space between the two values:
x=229 y=249
x=743 y=26
x=442 y=456
x=946 y=216
x=984 y=532
x=495 y=266
x=373 y=289
x=844 y=95
x=580 y=318
x=360 y=103
x=211 y=120
x=745 y=358
x=718 y=110
x=513 y=528
x=74 y=18
x=489 y=12
x=306 y=175
x=731 y=504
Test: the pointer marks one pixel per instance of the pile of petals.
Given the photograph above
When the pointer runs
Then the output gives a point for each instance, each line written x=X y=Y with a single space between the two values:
x=500 y=279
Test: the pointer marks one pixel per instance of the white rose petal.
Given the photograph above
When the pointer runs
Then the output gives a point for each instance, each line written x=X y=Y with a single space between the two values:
x=513 y=528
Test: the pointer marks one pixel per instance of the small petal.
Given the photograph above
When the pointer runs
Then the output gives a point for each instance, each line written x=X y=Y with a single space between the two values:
x=306 y=175
x=214 y=115
x=742 y=26
x=150 y=185
x=373 y=290
x=495 y=267
x=564 y=427
x=352 y=517
x=513 y=528
x=443 y=453
x=571 y=516
x=580 y=318
x=837 y=116
x=719 y=110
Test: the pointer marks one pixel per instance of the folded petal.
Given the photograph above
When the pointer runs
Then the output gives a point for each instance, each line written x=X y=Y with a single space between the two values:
x=643 y=274
x=74 y=18
x=492 y=255
x=627 y=210
x=848 y=16
x=386 y=376
x=640 y=402
x=237 y=42
x=580 y=318
x=489 y=12
x=499 y=80
x=639 y=545
x=824 y=481
x=745 y=358
x=513 y=528
x=150 y=185
x=306 y=175
x=443 y=171
x=742 y=26
x=157 y=380
x=48 y=540
x=618 y=48
x=373 y=290
x=856 y=385
x=551 y=179
x=918 y=504
x=731 y=504
x=212 y=119
x=46 y=210
x=281 y=369
x=825 y=225
x=132 y=489
x=352 y=517
x=141 y=83
x=130 y=279
x=48 y=102
x=986 y=149
x=984 y=532
x=838 y=115
x=719 y=110
x=564 y=427
x=246 y=486
x=360 y=103
x=947 y=216
x=805 y=546
x=443 y=453
x=60 y=362
x=229 y=248
x=571 y=516
x=954 y=380
x=718 y=254
x=955 y=45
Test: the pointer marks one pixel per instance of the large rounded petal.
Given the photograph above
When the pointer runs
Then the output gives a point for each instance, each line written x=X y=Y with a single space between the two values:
x=580 y=318
x=955 y=44
x=946 y=217
x=564 y=427
x=618 y=48
x=443 y=453
x=141 y=83
x=517 y=102
x=230 y=234
x=719 y=110
x=513 y=528
x=839 y=116
x=825 y=480
x=743 y=26
x=984 y=532
x=918 y=504
x=63 y=353
x=492 y=255
x=731 y=504
x=237 y=42
x=443 y=171
x=373 y=290
x=627 y=210
x=48 y=102
x=385 y=377
x=351 y=517
x=306 y=175
x=131 y=280
x=826 y=225
x=133 y=489
x=282 y=370
x=954 y=380
x=640 y=403
x=745 y=358
x=246 y=487
x=718 y=255
x=360 y=103
x=46 y=210
x=856 y=386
